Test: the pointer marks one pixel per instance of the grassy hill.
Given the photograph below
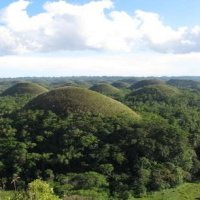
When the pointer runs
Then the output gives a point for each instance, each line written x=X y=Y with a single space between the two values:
x=78 y=100
x=186 y=84
x=120 y=84
x=69 y=83
x=143 y=83
x=106 y=89
x=22 y=88
x=154 y=92
x=187 y=191
x=4 y=86
x=83 y=84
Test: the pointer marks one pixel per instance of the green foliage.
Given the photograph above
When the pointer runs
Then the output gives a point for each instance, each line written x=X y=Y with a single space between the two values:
x=40 y=190
x=93 y=194
x=37 y=190
x=76 y=197
x=89 y=184
x=89 y=146
x=10 y=104
x=6 y=195
x=88 y=180
x=186 y=84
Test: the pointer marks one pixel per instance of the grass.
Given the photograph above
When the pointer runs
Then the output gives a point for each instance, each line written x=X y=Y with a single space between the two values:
x=187 y=191
x=6 y=195
x=68 y=84
x=106 y=89
x=24 y=88
x=143 y=83
x=67 y=100
x=75 y=84
x=120 y=84
x=76 y=197
x=161 y=90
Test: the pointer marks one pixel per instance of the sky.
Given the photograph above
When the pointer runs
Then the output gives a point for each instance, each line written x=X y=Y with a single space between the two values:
x=99 y=38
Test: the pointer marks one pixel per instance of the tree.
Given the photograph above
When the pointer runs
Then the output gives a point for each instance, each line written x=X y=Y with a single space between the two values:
x=40 y=190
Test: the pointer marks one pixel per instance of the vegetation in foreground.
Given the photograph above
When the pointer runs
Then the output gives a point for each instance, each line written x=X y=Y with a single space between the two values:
x=186 y=191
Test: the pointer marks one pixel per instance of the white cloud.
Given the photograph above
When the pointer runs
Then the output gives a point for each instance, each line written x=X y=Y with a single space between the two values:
x=64 y=26
x=132 y=64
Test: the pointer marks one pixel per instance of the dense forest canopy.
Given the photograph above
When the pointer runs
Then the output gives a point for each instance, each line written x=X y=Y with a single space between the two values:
x=89 y=146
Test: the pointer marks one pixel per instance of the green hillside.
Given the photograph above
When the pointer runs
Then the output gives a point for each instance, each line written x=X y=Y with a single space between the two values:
x=4 y=86
x=143 y=83
x=22 y=88
x=187 y=191
x=86 y=145
x=65 y=100
x=83 y=84
x=120 y=84
x=190 y=84
x=154 y=92
x=67 y=84
x=106 y=89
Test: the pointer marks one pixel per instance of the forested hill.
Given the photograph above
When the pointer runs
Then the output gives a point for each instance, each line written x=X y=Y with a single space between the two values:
x=98 y=138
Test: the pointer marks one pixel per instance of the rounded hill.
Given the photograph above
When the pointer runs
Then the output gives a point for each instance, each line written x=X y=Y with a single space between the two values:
x=185 y=84
x=106 y=89
x=83 y=84
x=23 y=88
x=120 y=84
x=143 y=83
x=66 y=100
x=155 y=92
x=67 y=84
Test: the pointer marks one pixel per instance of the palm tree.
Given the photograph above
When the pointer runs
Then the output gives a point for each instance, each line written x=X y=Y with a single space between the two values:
x=14 y=181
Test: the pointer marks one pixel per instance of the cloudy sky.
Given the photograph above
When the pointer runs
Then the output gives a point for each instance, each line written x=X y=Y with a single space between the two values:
x=101 y=37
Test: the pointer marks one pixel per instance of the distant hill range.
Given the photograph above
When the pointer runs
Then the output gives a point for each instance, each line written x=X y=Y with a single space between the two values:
x=119 y=82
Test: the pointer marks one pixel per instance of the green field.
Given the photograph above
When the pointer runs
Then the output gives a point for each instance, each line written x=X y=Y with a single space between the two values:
x=6 y=195
x=187 y=191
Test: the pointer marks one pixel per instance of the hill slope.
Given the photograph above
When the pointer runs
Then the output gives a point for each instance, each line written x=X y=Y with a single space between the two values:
x=24 y=88
x=143 y=83
x=120 y=84
x=154 y=92
x=67 y=100
x=187 y=191
x=106 y=89
x=187 y=84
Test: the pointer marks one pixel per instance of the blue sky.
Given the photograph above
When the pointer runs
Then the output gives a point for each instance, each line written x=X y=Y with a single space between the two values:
x=104 y=37
x=174 y=12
